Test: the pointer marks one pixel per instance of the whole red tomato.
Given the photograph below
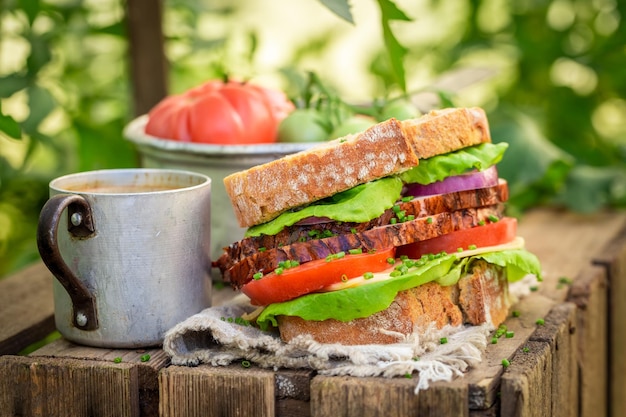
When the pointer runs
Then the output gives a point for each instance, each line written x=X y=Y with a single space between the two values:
x=218 y=112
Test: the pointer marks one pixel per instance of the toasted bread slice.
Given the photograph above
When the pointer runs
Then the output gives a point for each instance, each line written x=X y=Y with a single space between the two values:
x=479 y=297
x=261 y=193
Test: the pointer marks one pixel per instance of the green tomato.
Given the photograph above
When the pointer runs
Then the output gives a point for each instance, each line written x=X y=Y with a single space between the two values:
x=401 y=109
x=303 y=125
x=354 y=124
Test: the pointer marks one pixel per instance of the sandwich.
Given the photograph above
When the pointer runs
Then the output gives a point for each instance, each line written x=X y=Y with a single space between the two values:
x=379 y=235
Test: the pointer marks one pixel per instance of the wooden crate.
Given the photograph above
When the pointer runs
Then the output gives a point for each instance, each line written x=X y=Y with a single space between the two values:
x=569 y=366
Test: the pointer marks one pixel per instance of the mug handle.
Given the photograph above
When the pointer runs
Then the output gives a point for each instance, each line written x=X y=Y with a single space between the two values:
x=80 y=225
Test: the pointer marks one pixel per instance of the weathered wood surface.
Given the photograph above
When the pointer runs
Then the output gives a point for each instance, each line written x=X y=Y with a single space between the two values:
x=613 y=258
x=26 y=309
x=556 y=369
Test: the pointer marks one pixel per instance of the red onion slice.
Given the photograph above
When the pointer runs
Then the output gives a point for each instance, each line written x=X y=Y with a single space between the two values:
x=468 y=181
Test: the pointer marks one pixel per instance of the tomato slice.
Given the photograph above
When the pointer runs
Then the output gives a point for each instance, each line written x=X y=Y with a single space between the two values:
x=491 y=234
x=313 y=276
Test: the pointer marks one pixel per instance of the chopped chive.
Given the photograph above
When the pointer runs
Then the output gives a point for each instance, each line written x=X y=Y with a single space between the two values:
x=471 y=247
x=540 y=322
x=509 y=334
x=355 y=251
x=407 y=375
x=245 y=364
x=443 y=340
x=258 y=275
x=516 y=313
x=506 y=363
x=429 y=220
x=407 y=198
x=368 y=275
x=262 y=249
x=393 y=220
x=145 y=358
x=493 y=219
x=534 y=288
x=494 y=340
x=525 y=349
x=391 y=261
x=481 y=223
x=279 y=270
x=459 y=249
x=353 y=230
x=117 y=360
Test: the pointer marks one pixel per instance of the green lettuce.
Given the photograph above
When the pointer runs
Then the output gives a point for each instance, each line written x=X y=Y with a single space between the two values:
x=359 y=204
x=440 y=167
x=363 y=301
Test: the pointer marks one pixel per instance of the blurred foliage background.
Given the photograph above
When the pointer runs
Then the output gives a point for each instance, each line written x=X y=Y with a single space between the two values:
x=556 y=89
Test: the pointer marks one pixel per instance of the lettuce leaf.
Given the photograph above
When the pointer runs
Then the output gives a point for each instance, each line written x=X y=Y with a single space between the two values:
x=440 y=167
x=359 y=204
x=351 y=303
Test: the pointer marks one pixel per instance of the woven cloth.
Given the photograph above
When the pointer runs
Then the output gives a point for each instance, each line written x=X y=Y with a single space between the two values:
x=214 y=337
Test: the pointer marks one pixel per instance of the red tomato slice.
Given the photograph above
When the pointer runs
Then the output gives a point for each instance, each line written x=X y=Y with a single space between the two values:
x=313 y=276
x=490 y=234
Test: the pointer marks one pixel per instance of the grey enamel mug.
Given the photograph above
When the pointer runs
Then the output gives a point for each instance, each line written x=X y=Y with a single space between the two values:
x=130 y=251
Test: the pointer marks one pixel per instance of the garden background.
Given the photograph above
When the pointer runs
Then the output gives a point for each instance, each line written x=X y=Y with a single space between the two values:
x=554 y=85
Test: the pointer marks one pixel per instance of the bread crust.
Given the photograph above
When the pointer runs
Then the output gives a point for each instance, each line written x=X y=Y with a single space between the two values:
x=261 y=193
x=479 y=297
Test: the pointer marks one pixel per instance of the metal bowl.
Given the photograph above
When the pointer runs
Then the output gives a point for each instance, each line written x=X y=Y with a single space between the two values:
x=216 y=161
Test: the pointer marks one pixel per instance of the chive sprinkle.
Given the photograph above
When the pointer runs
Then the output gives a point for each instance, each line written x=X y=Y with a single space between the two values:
x=368 y=275
x=145 y=358
x=117 y=360
x=443 y=340
x=540 y=322
x=245 y=364
x=506 y=363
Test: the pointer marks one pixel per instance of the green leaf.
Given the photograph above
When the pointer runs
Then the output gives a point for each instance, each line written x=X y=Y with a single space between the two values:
x=41 y=104
x=439 y=167
x=534 y=167
x=359 y=204
x=395 y=51
x=12 y=83
x=341 y=8
x=9 y=126
x=588 y=189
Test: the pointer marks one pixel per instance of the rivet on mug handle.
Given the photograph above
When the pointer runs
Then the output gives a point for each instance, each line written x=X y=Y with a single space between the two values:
x=80 y=225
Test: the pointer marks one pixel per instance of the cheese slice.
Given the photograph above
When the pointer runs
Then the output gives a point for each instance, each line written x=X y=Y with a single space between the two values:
x=517 y=243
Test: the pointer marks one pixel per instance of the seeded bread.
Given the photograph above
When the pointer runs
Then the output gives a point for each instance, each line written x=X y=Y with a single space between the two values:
x=479 y=297
x=261 y=193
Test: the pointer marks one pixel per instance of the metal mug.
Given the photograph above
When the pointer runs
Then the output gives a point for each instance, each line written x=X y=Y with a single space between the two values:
x=130 y=252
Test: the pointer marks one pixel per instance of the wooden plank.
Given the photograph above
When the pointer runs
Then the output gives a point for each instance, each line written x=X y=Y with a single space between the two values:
x=293 y=392
x=49 y=387
x=590 y=294
x=216 y=391
x=146 y=370
x=373 y=397
x=26 y=308
x=566 y=243
x=543 y=380
x=483 y=379
x=148 y=64
x=613 y=258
